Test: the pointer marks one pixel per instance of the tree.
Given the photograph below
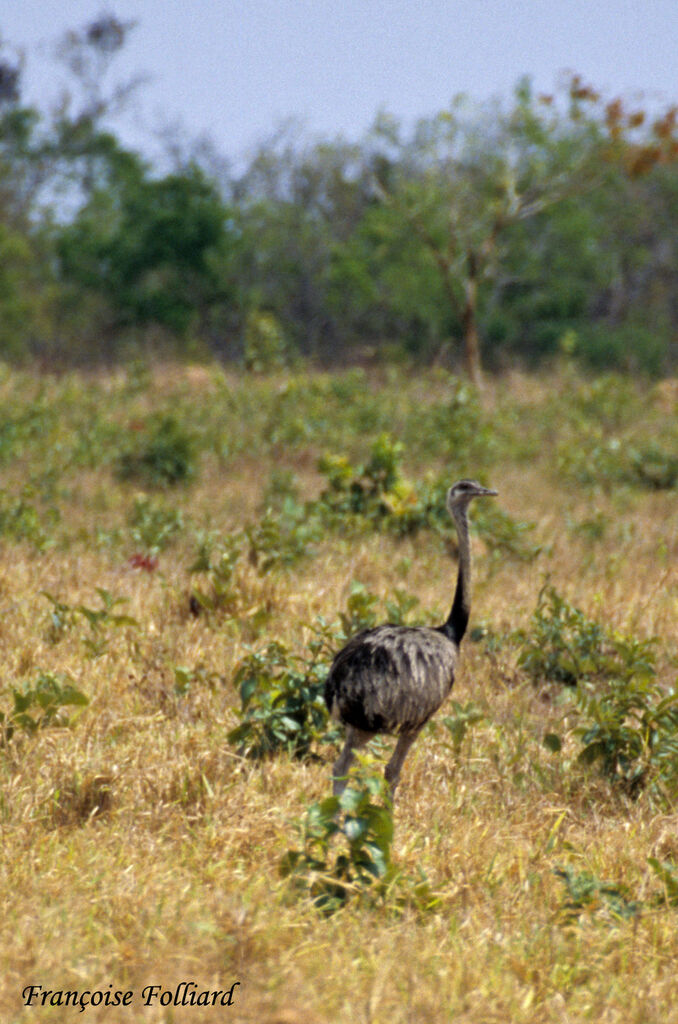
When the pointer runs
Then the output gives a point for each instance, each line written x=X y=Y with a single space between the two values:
x=145 y=243
x=462 y=181
x=297 y=204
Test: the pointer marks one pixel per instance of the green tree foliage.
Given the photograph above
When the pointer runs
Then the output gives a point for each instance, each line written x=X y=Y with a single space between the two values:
x=487 y=233
x=464 y=181
x=145 y=243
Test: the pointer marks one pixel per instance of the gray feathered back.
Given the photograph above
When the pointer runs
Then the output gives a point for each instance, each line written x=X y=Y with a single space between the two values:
x=391 y=678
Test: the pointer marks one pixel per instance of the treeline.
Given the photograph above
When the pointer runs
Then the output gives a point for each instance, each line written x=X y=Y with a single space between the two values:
x=486 y=234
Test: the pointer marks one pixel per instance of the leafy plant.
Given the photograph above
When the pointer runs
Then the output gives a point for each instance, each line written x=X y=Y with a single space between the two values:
x=345 y=851
x=163 y=456
x=281 y=538
x=562 y=645
x=41 y=704
x=153 y=525
x=400 y=606
x=654 y=467
x=587 y=894
x=593 y=459
x=265 y=348
x=374 y=491
x=627 y=723
x=361 y=610
x=631 y=730
x=667 y=873
x=282 y=705
x=461 y=721
x=502 y=534
x=186 y=678
x=223 y=592
x=609 y=461
x=63 y=616
x=376 y=495
x=21 y=520
x=345 y=846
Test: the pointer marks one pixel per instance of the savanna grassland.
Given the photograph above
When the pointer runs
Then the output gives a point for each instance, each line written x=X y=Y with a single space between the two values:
x=180 y=550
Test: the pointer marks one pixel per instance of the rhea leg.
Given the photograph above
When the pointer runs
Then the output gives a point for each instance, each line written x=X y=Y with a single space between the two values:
x=392 y=772
x=355 y=739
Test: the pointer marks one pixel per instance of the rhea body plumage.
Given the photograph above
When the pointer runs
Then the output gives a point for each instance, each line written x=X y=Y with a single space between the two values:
x=392 y=679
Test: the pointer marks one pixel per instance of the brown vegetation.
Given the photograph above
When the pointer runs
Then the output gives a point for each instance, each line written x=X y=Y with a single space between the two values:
x=138 y=846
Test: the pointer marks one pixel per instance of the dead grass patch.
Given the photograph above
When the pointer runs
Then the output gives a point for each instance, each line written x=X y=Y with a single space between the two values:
x=138 y=848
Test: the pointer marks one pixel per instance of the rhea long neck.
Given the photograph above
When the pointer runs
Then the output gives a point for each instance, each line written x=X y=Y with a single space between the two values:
x=457 y=621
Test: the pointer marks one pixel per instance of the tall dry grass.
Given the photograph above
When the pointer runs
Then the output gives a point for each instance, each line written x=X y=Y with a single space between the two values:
x=139 y=848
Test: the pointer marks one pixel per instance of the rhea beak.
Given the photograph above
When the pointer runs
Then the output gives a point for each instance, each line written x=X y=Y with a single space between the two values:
x=487 y=492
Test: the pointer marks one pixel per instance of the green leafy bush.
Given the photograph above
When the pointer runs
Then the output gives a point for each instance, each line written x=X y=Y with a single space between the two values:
x=163 y=456
x=282 y=704
x=654 y=467
x=282 y=537
x=223 y=587
x=631 y=730
x=587 y=894
x=562 y=645
x=627 y=724
x=374 y=492
x=21 y=520
x=265 y=348
x=346 y=847
x=360 y=612
x=593 y=459
x=41 y=704
x=153 y=525
x=460 y=722
x=376 y=495
x=345 y=851
x=64 y=616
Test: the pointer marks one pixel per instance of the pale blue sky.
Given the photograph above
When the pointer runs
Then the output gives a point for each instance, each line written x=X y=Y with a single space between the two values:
x=233 y=69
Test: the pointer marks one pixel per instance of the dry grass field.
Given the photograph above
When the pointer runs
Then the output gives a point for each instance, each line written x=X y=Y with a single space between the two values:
x=141 y=847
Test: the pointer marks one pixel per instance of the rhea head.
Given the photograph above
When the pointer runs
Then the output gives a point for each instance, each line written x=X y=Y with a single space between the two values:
x=460 y=494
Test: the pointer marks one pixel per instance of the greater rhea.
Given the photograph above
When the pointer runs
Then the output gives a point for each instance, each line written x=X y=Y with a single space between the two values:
x=392 y=679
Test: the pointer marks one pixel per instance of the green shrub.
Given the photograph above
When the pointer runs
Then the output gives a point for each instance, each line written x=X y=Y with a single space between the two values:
x=345 y=851
x=346 y=847
x=587 y=894
x=631 y=730
x=377 y=496
x=21 y=520
x=41 y=704
x=461 y=721
x=153 y=525
x=562 y=645
x=163 y=456
x=225 y=588
x=592 y=459
x=265 y=347
x=64 y=617
x=627 y=724
x=654 y=467
x=282 y=537
x=282 y=703
x=375 y=492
